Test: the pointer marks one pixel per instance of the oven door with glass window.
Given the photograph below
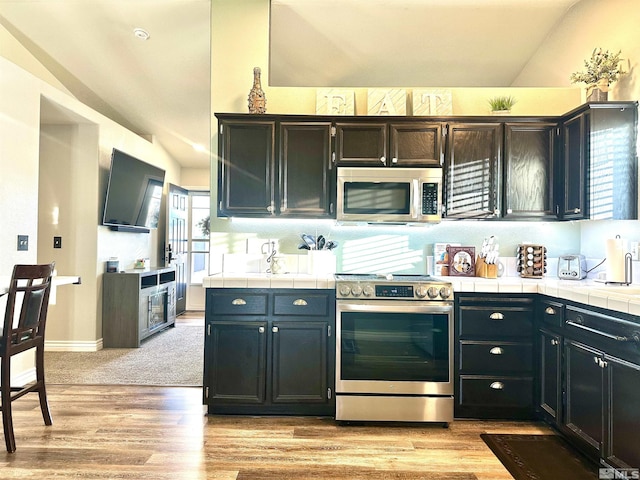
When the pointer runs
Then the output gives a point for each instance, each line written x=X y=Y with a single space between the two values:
x=394 y=348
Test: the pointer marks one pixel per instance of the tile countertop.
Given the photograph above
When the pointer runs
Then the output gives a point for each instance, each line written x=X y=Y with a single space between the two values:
x=621 y=298
x=265 y=280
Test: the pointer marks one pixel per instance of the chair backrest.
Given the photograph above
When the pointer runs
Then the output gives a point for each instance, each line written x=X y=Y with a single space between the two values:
x=27 y=305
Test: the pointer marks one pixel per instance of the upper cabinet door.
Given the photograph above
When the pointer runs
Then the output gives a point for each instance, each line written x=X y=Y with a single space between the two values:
x=574 y=134
x=416 y=144
x=472 y=170
x=246 y=168
x=395 y=144
x=305 y=170
x=528 y=170
x=599 y=162
x=361 y=144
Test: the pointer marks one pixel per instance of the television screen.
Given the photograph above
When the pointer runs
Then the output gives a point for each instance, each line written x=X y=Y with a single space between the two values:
x=134 y=193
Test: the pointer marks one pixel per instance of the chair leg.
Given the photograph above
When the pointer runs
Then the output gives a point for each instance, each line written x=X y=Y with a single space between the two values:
x=5 y=394
x=42 y=390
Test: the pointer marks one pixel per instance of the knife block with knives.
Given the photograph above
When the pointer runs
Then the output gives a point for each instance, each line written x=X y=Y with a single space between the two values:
x=486 y=270
x=487 y=261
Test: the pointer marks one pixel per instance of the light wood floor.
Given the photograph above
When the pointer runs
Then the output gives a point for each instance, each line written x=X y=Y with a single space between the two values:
x=128 y=432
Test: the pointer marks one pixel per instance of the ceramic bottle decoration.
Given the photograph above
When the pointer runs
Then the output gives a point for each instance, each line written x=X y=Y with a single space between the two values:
x=257 y=100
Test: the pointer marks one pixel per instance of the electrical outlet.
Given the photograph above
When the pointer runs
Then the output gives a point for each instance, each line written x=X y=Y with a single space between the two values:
x=57 y=242
x=633 y=250
x=23 y=242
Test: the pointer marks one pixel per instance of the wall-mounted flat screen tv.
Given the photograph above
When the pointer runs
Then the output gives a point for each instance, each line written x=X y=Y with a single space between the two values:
x=134 y=194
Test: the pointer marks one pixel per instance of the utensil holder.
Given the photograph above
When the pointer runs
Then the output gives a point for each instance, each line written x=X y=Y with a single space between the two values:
x=321 y=262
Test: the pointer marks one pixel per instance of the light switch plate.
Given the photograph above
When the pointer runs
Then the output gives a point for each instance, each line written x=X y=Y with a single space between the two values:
x=633 y=250
x=57 y=242
x=23 y=242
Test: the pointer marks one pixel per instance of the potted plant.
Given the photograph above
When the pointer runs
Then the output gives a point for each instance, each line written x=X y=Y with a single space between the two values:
x=601 y=70
x=501 y=105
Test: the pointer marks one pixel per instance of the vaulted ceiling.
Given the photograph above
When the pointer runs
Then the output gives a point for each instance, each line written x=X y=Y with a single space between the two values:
x=161 y=86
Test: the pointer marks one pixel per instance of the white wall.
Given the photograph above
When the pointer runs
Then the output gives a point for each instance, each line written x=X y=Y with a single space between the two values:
x=73 y=150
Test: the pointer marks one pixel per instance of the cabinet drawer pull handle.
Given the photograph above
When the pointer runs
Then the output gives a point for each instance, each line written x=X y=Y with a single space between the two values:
x=300 y=302
x=383 y=160
x=497 y=385
x=238 y=301
x=549 y=311
x=554 y=342
x=496 y=351
x=274 y=329
x=261 y=329
x=496 y=316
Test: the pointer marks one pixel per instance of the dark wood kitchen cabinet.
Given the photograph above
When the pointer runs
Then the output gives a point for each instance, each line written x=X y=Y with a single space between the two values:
x=598 y=168
x=305 y=170
x=269 y=351
x=246 y=168
x=494 y=356
x=550 y=319
x=585 y=391
x=602 y=384
x=473 y=182
x=274 y=168
x=529 y=171
x=389 y=144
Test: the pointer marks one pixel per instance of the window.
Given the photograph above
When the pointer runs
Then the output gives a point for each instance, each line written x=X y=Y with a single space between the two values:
x=199 y=240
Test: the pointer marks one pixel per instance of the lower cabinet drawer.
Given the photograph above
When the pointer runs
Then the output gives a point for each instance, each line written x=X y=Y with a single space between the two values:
x=237 y=303
x=495 y=357
x=301 y=304
x=496 y=391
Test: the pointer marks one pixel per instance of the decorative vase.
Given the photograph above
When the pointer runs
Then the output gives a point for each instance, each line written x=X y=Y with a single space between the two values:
x=500 y=112
x=598 y=92
x=257 y=99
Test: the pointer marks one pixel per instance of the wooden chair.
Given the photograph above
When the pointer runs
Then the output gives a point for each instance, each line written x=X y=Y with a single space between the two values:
x=24 y=325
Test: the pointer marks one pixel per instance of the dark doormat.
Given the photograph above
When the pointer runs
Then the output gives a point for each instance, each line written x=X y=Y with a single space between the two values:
x=540 y=457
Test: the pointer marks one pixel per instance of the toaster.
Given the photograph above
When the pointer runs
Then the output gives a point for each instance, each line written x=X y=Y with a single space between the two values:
x=572 y=267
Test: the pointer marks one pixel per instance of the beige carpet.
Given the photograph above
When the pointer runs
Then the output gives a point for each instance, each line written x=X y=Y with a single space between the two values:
x=174 y=356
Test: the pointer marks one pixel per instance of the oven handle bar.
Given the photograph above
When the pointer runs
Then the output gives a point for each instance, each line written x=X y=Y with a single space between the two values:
x=395 y=306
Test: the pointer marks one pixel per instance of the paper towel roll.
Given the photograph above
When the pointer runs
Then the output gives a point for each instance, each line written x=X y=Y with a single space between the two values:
x=616 y=249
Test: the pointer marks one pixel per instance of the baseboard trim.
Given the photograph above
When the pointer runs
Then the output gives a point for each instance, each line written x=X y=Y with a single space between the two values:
x=72 y=346
x=24 y=377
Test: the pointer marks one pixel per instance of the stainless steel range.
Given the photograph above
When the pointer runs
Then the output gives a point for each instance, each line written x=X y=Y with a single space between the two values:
x=394 y=351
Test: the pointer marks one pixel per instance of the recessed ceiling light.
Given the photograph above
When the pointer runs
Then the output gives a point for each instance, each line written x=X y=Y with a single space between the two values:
x=141 y=33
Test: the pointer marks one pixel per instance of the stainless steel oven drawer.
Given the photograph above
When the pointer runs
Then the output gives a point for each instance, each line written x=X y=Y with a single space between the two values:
x=495 y=391
x=495 y=357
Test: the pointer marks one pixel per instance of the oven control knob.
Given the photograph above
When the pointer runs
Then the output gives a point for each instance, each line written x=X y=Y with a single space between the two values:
x=445 y=292
x=367 y=291
x=356 y=290
x=344 y=290
x=433 y=292
x=421 y=291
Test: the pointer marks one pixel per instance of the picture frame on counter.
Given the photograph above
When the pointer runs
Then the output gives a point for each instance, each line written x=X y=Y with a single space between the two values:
x=462 y=261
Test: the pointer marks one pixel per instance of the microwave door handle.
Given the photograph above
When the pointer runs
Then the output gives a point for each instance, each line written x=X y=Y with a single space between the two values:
x=415 y=207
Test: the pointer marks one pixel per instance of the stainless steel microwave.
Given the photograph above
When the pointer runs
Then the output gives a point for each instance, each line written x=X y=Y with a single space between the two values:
x=389 y=195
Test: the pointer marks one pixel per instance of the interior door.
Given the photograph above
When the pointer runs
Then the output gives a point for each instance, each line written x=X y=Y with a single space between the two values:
x=176 y=251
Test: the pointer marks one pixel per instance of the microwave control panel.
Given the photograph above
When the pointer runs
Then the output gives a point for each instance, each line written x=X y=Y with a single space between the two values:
x=429 y=199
